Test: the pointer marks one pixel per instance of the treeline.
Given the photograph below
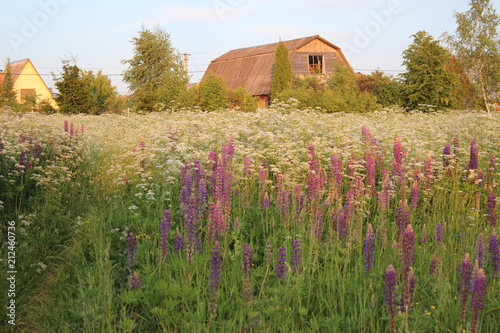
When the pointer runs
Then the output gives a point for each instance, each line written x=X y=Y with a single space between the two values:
x=460 y=71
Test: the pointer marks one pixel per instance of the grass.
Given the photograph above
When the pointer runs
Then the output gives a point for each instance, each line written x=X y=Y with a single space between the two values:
x=76 y=203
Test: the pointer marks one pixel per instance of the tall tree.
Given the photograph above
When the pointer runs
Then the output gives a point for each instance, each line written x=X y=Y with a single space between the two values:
x=213 y=93
x=7 y=93
x=154 y=69
x=476 y=47
x=429 y=78
x=74 y=95
x=282 y=71
x=103 y=93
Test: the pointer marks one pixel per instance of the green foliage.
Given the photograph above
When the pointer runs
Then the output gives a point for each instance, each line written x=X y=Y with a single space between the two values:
x=282 y=71
x=387 y=90
x=429 y=79
x=212 y=93
x=103 y=94
x=476 y=48
x=74 y=94
x=339 y=93
x=7 y=93
x=240 y=99
x=155 y=73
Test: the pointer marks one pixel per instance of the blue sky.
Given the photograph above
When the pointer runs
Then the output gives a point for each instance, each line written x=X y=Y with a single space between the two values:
x=372 y=33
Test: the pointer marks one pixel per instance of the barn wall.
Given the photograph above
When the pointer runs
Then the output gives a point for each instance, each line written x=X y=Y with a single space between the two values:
x=300 y=62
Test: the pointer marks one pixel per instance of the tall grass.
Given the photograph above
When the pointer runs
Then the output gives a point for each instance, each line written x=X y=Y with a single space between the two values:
x=264 y=182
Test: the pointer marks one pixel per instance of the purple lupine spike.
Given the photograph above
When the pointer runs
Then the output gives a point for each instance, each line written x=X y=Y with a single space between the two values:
x=465 y=270
x=494 y=254
x=446 y=155
x=407 y=253
x=336 y=173
x=215 y=277
x=164 y=230
x=408 y=291
x=262 y=188
x=402 y=218
x=318 y=225
x=281 y=263
x=369 y=249
x=390 y=295
x=341 y=223
x=296 y=255
x=435 y=265
x=66 y=126
x=215 y=222
x=134 y=280
x=299 y=199
x=480 y=250
x=178 y=242
x=492 y=209
x=247 y=166
x=247 y=271
x=474 y=155
x=478 y=298
x=131 y=250
x=438 y=233
x=284 y=204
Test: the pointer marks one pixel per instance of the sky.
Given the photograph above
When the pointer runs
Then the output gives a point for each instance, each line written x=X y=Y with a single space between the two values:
x=372 y=33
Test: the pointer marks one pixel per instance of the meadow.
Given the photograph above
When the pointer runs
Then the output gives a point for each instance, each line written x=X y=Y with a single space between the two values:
x=280 y=220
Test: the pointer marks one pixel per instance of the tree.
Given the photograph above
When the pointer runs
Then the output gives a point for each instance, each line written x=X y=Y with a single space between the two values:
x=7 y=93
x=213 y=93
x=429 y=78
x=155 y=73
x=476 y=47
x=103 y=93
x=282 y=71
x=74 y=95
x=386 y=89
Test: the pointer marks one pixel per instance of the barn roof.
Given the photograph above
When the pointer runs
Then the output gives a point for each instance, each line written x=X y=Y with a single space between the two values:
x=251 y=67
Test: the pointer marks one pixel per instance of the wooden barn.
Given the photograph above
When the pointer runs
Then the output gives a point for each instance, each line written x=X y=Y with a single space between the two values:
x=252 y=67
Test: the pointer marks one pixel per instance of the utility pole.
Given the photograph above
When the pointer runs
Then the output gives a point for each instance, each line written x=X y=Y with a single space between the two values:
x=186 y=62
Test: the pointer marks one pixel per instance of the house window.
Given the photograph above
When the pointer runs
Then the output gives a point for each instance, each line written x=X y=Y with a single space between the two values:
x=27 y=94
x=316 y=64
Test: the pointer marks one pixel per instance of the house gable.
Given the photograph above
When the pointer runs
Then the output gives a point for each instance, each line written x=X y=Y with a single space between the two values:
x=27 y=81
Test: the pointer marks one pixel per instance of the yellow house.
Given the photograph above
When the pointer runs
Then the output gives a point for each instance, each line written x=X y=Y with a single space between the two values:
x=28 y=82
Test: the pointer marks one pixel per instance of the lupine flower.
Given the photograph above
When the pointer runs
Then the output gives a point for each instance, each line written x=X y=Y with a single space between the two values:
x=438 y=234
x=473 y=159
x=492 y=208
x=446 y=155
x=281 y=263
x=480 y=250
x=318 y=225
x=178 y=242
x=164 y=230
x=495 y=254
x=134 y=280
x=131 y=250
x=465 y=282
x=407 y=252
x=371 y=174
x=368 y=249
x=247 y=271
x=341 y=222
x=428 y=173
x=296 y=255
x=408 y=291
x=478 y=298
x=390 y=295
x=402 y=218
x=215 y=276
x=435 y=265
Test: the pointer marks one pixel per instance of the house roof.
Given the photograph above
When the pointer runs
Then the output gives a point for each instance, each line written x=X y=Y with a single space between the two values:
x=16 y=68
x=251 y=67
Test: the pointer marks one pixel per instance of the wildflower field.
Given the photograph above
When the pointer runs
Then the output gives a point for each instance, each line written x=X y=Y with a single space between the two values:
x=275 y=221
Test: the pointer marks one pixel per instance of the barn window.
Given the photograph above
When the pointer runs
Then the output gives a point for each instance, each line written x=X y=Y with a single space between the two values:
x=27 y=94
x=316 y=64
